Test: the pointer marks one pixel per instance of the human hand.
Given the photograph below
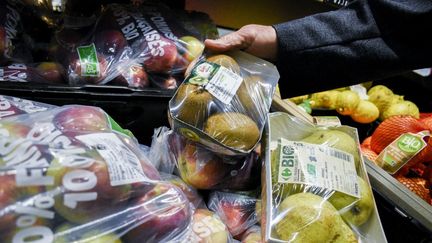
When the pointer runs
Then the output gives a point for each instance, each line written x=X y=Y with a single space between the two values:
x=258 y=40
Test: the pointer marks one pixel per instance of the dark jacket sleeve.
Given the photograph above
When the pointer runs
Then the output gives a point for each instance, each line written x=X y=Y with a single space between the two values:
x=367 y=40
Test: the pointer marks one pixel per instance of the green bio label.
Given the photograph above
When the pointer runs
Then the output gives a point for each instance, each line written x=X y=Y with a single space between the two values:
x=287 y=160
x=89 y=61
x=401 y=150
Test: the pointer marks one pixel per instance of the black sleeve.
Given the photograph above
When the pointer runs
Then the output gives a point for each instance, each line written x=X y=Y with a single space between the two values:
x=367 y=40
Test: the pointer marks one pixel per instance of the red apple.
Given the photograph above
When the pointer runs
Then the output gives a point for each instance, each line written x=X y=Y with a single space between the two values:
x=92 y=179
x=135 y=77
x=81 y=118
x=189 y=191
x=51 y=72
x=161 y=55
x=75 y=68
x=236 y=211
x=110 y=42
x=164 y=81
x=165 y=212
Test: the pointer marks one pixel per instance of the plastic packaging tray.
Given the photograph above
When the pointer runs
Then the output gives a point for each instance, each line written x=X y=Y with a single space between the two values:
x=276 y=126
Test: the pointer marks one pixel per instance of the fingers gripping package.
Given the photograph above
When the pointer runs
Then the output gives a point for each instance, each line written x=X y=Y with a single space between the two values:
x=202 y=168
x=315 y=186
x=224 y=101
x=132 y=46
x=72 y=174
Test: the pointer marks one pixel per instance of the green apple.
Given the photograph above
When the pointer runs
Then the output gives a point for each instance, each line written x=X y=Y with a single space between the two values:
x=361 y=210
x=194 y=47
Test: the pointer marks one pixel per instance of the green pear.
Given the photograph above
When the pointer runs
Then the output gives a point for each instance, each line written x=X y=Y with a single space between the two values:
x=335 y=139
x=360 y=212
x=305 y=217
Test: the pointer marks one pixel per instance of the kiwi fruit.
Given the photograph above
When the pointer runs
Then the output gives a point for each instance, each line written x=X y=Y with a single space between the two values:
x=233 y=129
x=225 y=61
x=193 y=104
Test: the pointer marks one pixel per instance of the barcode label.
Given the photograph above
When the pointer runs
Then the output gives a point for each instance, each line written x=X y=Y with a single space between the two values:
x=341 y=155
x=317 y=165
x=224 y=85
x=124 y=166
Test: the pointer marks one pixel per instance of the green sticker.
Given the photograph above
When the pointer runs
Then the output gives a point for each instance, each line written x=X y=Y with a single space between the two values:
x=89 y=61
x=410 y=144
x=117 y=128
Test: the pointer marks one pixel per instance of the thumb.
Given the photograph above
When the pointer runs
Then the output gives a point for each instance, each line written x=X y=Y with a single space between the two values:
x=232 y=41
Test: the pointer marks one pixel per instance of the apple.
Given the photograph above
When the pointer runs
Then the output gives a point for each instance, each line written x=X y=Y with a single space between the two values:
x=160 y=56
x=135 y=76
x=75 y=233
x=75 y=68
x=208 y=227
x=194 y=47
x=236 y=211
x=110 y=42
x=92 y=179
x=51 y=71
x=13 y=130
x=164 y=81
x=165 y=212
x=10 y=193
x=189 y=191
x=199 y=167
x=79 y=118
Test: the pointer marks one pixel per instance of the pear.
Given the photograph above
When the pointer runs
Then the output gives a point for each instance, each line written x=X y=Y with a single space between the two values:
x=366 y=112
x=401 y=108
x=347 y=101
x=335 y=139
x=360 y=210
x=233 y=129
x=299 y=99
x=193 y=104
x=326 y=99
x=305 y=217
x=381 y=96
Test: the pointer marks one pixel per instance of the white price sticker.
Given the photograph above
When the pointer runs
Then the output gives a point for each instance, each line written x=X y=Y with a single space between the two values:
x=123 y=165
x=317 y=165
x=224 y=85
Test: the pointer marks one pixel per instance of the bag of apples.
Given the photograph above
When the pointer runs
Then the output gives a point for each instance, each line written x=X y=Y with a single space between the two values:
x=44 y=72
x=132 y=46
x=224 y=101
x=202 y=168
x=315 y=185
x=11 y=43
x=72 y=174
x=12 y=106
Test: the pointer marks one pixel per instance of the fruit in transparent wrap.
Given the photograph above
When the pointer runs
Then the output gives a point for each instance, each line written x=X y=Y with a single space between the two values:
x=11 y=106
x=202 y=168
x=235 y=210
x=72 y=173
x=316 y=189
x=133 y=46
x=224 y=101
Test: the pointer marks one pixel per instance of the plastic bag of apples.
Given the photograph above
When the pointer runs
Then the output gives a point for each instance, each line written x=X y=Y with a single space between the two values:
x=71 y=174
x=11 y=106
x=135 y=46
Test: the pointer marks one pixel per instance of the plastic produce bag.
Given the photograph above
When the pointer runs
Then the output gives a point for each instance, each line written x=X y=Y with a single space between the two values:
x=12 y=106
x=11 y=45
x=224 y=101
x=191 y=193
x=201 y=168
x=236 y=211
x=315 y=185
x=131 y=46
x=252 y=235
x=71 y=173
x=44 y=72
